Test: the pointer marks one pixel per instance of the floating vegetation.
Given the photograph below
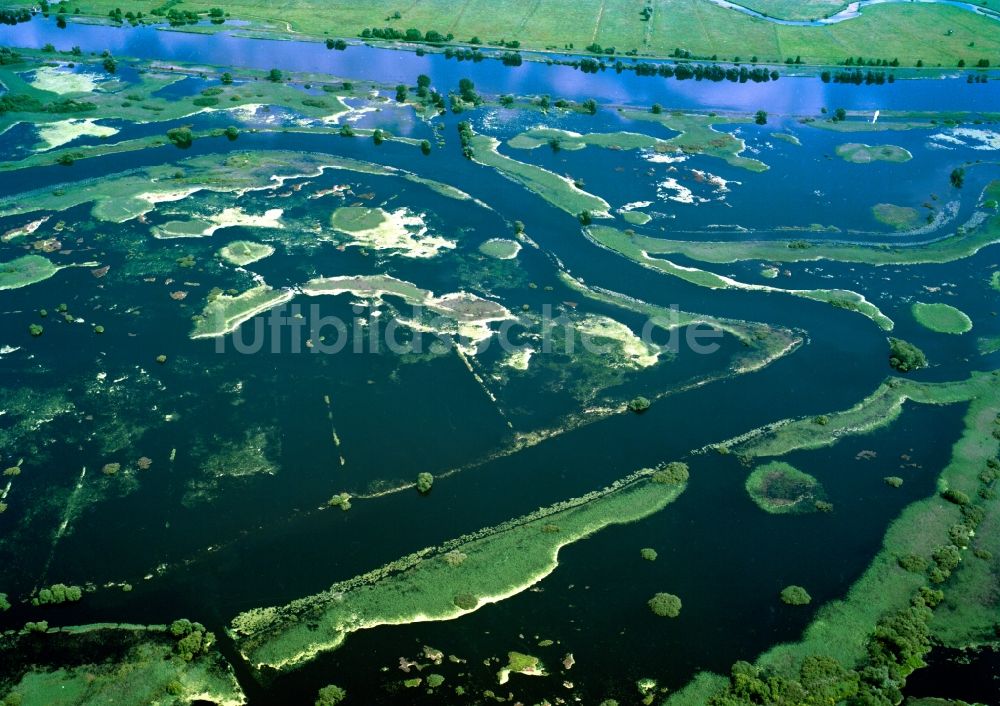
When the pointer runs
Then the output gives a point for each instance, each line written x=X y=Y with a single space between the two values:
x=470 y=315
x=244 y=252
x=860 y=153
x=397 y=230
x=781 y=489
x=940 y=317
x=59 y=133
x=500 y=562
x=225 y=313
x=231 y=217
x=62 y=80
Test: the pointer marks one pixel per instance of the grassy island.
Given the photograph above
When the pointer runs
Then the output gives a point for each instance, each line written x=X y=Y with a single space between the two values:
x=496 y=563
x=780 y=488
x=860 y=153
x=942 y=318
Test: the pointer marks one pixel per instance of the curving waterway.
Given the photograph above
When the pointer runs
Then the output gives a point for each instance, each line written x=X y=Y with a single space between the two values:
x=852 y=10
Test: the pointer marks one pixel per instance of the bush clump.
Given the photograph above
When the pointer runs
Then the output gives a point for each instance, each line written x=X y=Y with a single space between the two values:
x=192 y=638
x=893 y=481
x=57 y=593
x=673 y=472
x=466 y=601
x=639 y=404
x=648 y=553
x=795 y=595
x=904 y=356
x=424 y=482
x=330 y=695
x=665 y=605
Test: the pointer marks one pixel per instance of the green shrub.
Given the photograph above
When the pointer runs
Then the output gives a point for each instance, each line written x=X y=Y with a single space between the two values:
x=904 y=356
x=673 y=472
x=795 y=595
x=913 y=563
x=955 y=496
x=330 y=695
x=665 y=605
x=648 y=553
x=639 y=404
x=424 y=482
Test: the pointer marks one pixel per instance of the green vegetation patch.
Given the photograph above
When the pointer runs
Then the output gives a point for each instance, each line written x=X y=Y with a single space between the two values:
x=637 y=218
x=126 y=195
x=499 y=562
x=563 y=139
x=699 y=136
x=940 y=317
x=787 y=137
x=224 y=313
x=397 y=230
x=842 y=629
x=245 y=252
x=780 y=488
x=625 y=244
x=860 y=153
x=26 y=270
x=558 y=190
x=947 y=249
x=899 y=217
x=146 y=666
x=500 y=248
x=876 y=411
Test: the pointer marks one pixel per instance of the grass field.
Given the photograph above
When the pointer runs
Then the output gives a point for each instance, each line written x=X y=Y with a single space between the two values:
x=907 y=31
x=795 y=9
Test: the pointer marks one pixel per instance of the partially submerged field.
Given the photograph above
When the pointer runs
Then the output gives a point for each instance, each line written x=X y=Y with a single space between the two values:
x=445 y=582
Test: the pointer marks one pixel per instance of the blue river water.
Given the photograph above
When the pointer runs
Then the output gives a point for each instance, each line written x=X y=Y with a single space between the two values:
x=788 y=95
